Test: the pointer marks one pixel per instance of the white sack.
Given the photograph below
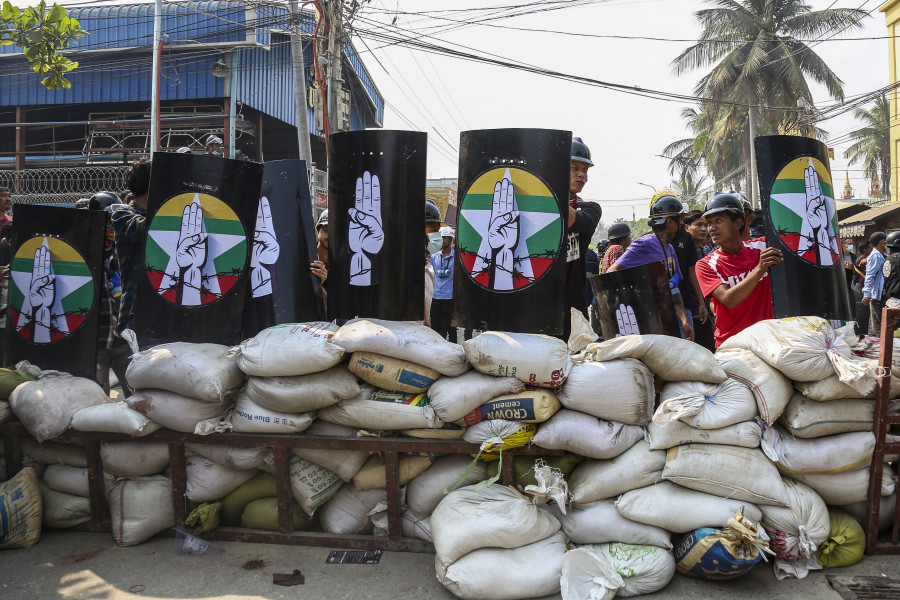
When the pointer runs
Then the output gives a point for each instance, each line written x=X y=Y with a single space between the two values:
x=616 y=390
x=303 y=393
x=240 y=458
x=134 y=459
x=207 y=480
x=886 y=509
x=411 y=525
x=367 y=411
x=830 y=454
x=806 y=418
x=61 y=510
x=409 y=341
x=599 y=522
x=538 y=360
x=770 y=387
x=52 y=453
x=139 y=508
x=289 y=349
x=311 y=485
x=468 y=519
x=642 y=570
x=838 y=489
x=587 y=435
x=638 y=467
x=347 y=511
x=530 y=571
x=731 y=472
x=676 y=433
x=249 y=417
x=673 y=359
x=426 y=491
x=72 y=480
x=114 y=417
x=680 y=510
x=705 y=405
x=797 y=531
x=344 y=463
x=832 y=388
x=203 y=372
x=452 y=398
x=175 y=411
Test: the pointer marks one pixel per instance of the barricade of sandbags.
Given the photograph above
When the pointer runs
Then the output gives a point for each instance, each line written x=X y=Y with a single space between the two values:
x=672 y=359
x=175 y=411
x=537 y=360
x=676 y=433
x=303 y=393
x=134 y=459
x=807 y=418
x=289 y=350
x=113 y=417
x=616 y=390
x=603 y=571
x=706 y=405
x=638 y=467
x=204 y=372
x=61 y=510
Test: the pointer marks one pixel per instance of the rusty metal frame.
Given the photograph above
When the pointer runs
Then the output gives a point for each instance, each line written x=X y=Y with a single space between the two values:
x=883 y=421
x=389 y=447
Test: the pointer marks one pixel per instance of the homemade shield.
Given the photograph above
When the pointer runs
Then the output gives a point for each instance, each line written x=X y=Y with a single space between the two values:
x=201 y=215
x=282 y=289
x=801 y=220
x=376 y=225
x=54 y=288
x=511 y=230
x=636 y=301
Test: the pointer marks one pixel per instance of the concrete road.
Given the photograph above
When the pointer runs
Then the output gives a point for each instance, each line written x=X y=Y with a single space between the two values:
x=88 y=566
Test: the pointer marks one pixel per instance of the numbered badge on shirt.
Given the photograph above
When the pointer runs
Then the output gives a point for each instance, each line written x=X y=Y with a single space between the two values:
x=573 y=248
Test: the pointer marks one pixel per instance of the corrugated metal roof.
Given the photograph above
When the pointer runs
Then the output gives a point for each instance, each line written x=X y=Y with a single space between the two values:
x=872 y=214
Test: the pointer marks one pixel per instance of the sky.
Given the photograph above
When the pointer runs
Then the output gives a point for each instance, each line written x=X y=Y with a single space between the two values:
x=626 y=133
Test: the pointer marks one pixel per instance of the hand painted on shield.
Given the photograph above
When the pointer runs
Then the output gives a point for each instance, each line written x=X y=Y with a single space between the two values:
x=817 y=234
x=42 y=293
x=627 y=321
x=503 y=234
x=365 y=233
x=265 y=251
x=190 y=254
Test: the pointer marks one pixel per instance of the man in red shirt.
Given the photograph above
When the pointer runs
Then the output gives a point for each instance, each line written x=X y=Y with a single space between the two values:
x=735 y=275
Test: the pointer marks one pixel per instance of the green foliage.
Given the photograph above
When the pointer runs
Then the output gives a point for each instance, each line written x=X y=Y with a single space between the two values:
x=41 y=34
x=872 y=142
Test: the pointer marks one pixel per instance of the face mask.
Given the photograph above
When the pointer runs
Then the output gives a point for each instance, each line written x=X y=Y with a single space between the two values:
x=850 y=248
x=435 y=242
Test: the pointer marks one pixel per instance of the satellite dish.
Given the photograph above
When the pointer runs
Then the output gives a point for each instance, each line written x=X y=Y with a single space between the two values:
x=219 y=69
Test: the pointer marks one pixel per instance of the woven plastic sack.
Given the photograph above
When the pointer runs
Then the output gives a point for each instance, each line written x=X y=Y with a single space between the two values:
x=846 y=541
x=673 y=359
x=9 y=380
x=240 y=458
x=261 y=485
x=452 y=398
x=497 y=435
x=52 y=453
x=207 y=480
x=262 y=513
x=389 y=373
x=532 y=405
x=705 y=405
x=722 y=554
x=770 y=387
x=249 y=417
x=303 y=393
x=676 y=433
x=61 y=510
x=425 y=492
x=114 y=417
x=372 y=475
x=203 y=372
x=347 y=511
x=311 y=485
x=537 y=360
x=806 y=418
x=797 y=531
x=68 y=480
x=139 y=508
x=587 y=435
x=598 y=571
x=344 y=463
x=596 y=480
x=617 y=390
x=175 y=411
x=289 y=349
x=20 y=500
x=599 y=522
x=819 y=456
x=378 y=410
x=838 y=489
x=134 y=459
x=5 y=412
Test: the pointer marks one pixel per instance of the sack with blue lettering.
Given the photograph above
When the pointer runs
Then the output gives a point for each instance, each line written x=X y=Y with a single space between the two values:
x=534 y=405
x=392 y=374
x=721 y=554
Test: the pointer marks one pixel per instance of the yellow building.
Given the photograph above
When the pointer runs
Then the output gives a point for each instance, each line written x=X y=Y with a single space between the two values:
x=891 y=10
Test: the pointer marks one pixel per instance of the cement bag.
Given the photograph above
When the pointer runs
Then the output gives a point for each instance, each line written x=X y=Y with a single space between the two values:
x=831 y=454
x=208 y=481
x=390 y=373
x=114 y=417
x=529 y=571
x=203 y=372
x=289 y=349
x=838 y=489
x=846 y=541
x=797 y=531
x=240 y=458
x=140 y=508
x=771 y=389
x=303 y=393
x=731 y=472
x=498 y=435
x=722 y=554
x=452 y=398
x=705 y=405
x=447 y=431
x=381 y=411
x=249 y=417
x=52 y=453
x=676 y=433
x=347 y=511
x=5 y=412
x=311 y=485
x=425 y=492
x=680 y=510
x=344 y=463
x=174 y=411
x=617 y=390
x=806 y=418
x=533 y=405
x=372 y=474
x=588 y=571
x=887 y=507
x=638 y=467
x=134 y=459
x=493 y=517
x=587 y=435
x=72 y=480
x=538 y=360
x=60 y=510
x=20 y=499
x=45 y=407
x=407 y=341
x=261 y=485
x=599 y=522
x=673 y=359
x=263 y=514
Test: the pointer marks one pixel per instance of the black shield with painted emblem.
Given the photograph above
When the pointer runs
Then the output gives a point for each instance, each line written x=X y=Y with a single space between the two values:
x=798 y=204
x=376 y=225
x=511 y=230
x=54 y=288
x=635 y=301
x=201 y=215
x=281 y=288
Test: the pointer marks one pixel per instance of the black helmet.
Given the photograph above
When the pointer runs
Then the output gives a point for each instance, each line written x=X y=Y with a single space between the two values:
x=618 y=231
x=103 y=200
x=323 y=219
x=724 y=202
x=83 y=203
x=893 y=240
x=748 y=208
x=581 y=152
x=665 y=205
x=432 y=212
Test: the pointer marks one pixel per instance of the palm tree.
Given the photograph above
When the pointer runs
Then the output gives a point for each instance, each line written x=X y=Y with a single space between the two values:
x=872 y=142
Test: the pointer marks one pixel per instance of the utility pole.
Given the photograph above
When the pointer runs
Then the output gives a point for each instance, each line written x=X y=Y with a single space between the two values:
x=154 y=86
x=336 y=48
x=299 y=69
x=754 y=180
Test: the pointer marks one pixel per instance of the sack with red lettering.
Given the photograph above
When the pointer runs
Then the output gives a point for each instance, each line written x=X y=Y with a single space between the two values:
x=537 y=360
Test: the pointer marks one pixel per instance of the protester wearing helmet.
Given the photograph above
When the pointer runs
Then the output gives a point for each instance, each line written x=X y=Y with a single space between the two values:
x=619 y=236
x=319 y=267
x=582 y=221
x=734 y=276
x=433 y=244
x=665 y=221
x=891 y=271
x=442 y=302
x=874 y=282
x=214 y=145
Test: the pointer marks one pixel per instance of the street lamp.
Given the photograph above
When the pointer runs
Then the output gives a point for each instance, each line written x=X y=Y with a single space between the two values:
x=648 y=185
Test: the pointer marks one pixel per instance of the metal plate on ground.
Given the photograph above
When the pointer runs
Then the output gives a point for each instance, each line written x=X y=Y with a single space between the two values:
x=864 y=588
x=353 y=557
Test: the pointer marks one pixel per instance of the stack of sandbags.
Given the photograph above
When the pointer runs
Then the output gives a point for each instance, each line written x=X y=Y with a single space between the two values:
x=179 y=385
